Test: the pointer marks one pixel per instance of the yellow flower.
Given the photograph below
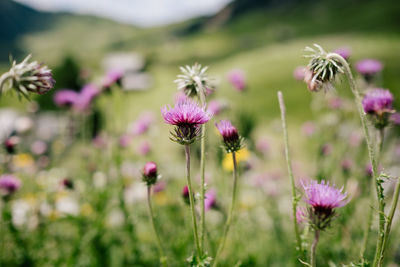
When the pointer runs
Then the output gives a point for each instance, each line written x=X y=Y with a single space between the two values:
x=241 y=155
x=86 y=209
x=23 y=160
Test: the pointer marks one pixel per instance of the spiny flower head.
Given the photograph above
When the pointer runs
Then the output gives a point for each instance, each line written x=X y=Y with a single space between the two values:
x=322 y=69
x=187 y=115
x=29 y=77
x=150 y=175
x=9 y=184
x=230 y=135
x=323 y=199
x=378 y=104
x=190 y=79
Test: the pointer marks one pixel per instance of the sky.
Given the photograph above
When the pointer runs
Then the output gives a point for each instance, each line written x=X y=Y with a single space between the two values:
x=139 y=12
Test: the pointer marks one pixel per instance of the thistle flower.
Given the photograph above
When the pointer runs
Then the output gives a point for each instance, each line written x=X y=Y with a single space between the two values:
x=323 y=200
x=191 y=78
x=11 y=143
x=322 y=69
x=238 y=79
x=65 y=98
x=299 y=73
x=210 y=200
x=368 y=68
x=67 y=183
x=344 y=52
x=187 y=115
x=27 y=77
x=185 y=194
x=378 y=104
x=9 y=184
x=150 y=176
x=232 y=141
x=86 y=96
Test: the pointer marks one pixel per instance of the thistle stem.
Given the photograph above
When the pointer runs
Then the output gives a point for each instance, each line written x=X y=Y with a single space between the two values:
x=230 y=215
x=192 y=209
x=371 y=153
x=389 y=221
x=163 y=258
x=202 y=97
x=290 y=171
x=313 y=260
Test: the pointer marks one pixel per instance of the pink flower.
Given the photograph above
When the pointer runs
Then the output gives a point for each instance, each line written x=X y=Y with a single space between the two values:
x=323 y=197
x=369 y=67
x=346 y=164
x=159 y=187
x=230 y=135
x=150 y=173
x=299 y=73
x=112 y=77
x=238 y=79
x=144 y=148
x=9 y=184
x=142 y=124
x=65 y=97
x=124 y=140
x=185 y=113
x=210 y=199
x=344 y=52
x=378 y=101
x=215 y=107
x=85 y=98
x=308 y=128
x=39 y=147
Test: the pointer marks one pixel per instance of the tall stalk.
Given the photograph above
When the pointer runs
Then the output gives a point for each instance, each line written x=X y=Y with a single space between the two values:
x=230 y=215
x=371 y=153
x=202 y=97
x=313 y=259
x=163 y=258
x=191 y=200
x=295 y=198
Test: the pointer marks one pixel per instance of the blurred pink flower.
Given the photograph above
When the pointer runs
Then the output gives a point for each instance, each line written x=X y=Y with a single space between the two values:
x=210 y=199
x=85 y=98
x=142 y=124
x=124 y=140
x=263 y=146
x=65 y=97
x=344 y=52
x=299 y=73
x=39 y=147
x=308 y=128
x=144 y=148
x=335 y=102
x=9 y=184
x=159 y=187
x=112 y=77
x=238 y=79
x=215 y=107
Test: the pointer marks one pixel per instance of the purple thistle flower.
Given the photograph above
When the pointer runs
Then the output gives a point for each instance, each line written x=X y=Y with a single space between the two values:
x=378 y=101
x=66 y=97
x=9 y=184
x=112 y=77
x=344 y=52
x=323 y=199
x=299 y=73
x=238 y=79
x=369 y=67
x=210 y=200
x=150 y=173
x=230 y=135
x=187 y=115
x=185 y=194
x=86 y=96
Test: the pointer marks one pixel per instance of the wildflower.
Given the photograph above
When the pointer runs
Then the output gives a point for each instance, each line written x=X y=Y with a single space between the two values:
x=321 y=70
x=185 y=194
x=187 y=115
x=346 y=165
x=323 y=199
x=112 y=77
x=368 y=68
x=191 y=78
x=344 y=52
x=9 y=184
x=238 y=79
x=142 y=124
x=232 y=141
x=378 y=104
x=150 y=173
x=86 y=96
x=38 y=147
x=215 y=107
x=11 y=143
x=65 y=98
x=27 y=77
x=67 y=183
x=299 y=73
x=210 y=200
x=144 y=148
x=159 y=187
x=301 y=215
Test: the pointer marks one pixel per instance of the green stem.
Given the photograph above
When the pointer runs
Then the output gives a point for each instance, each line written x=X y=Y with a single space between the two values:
x=389 y=221
x=191 y=199
x=202 y=97
x=290 y=171
x=371 y=153
x=163 y=258
x=313 y=259
x=230 y=215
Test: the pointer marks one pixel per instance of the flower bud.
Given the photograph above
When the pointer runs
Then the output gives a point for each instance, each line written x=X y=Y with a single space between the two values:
x=150 y=173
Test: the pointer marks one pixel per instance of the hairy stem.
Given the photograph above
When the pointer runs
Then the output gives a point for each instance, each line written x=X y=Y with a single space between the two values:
x=191 y=199
x=290 y=171
x=371 y=153
x=389 y=221
x=313 y=260
x=163 y=258
x=202 y=97
x=230 y=215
